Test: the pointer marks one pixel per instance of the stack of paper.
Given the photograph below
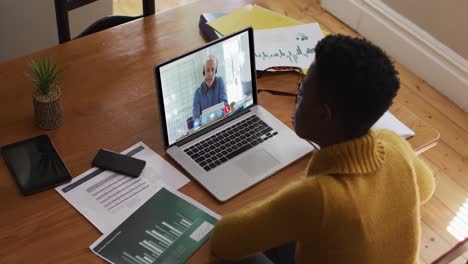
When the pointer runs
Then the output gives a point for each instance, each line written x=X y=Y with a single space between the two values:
x=106 y=198
x=144 y=219
x=279 y=40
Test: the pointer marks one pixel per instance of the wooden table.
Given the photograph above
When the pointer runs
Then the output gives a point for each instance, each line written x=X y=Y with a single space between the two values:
x=109 y=101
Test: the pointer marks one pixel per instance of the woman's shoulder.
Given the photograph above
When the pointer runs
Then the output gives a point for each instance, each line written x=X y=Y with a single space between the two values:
x=391 y=137
x=395 y=143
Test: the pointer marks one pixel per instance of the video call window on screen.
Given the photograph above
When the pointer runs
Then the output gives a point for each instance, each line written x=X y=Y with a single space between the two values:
x=206 y=86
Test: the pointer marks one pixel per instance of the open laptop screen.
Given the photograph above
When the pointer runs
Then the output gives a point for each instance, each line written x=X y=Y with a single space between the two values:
x=206 y=86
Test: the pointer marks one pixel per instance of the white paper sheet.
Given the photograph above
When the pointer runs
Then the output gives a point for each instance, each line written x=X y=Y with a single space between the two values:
x=106 y=198
x=286 y=46
x=390 y=122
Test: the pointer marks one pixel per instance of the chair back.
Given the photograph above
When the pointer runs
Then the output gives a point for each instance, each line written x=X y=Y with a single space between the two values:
x=62 y=7
x=454 y=253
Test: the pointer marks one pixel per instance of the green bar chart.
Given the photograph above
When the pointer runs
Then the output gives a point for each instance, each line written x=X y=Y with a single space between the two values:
x=166 y=229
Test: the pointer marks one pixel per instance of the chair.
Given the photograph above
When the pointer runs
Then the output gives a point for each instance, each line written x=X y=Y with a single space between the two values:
x=455 y=252
x=62 y=7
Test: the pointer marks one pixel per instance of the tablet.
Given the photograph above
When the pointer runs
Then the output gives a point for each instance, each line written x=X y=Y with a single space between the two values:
x=35 y=164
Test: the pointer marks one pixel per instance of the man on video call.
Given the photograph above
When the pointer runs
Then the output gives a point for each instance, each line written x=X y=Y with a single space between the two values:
x=211 y=91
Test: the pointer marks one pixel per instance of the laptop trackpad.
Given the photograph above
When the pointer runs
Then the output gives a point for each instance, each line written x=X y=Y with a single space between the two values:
x=257 y=162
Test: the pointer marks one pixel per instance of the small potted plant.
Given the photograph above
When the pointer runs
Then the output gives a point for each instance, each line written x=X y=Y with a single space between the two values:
x=47 y=94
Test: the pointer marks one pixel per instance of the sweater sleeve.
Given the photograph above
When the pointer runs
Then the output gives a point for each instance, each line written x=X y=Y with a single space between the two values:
x=424 y=179
x=292 y=213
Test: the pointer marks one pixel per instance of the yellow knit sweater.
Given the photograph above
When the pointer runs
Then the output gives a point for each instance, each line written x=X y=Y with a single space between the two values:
x=359 y=203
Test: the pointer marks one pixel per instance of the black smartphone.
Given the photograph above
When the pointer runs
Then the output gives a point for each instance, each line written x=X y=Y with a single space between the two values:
x=120 y=163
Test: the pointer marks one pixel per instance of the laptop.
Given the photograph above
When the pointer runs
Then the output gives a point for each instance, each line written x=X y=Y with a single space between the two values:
x=211 y=122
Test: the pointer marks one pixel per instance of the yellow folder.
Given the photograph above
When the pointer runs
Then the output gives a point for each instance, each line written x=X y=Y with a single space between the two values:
x=251 y=16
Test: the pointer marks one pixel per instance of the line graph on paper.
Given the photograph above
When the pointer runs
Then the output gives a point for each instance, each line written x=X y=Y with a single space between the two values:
x=292 y=55
x=286 y=46
x=300 y=56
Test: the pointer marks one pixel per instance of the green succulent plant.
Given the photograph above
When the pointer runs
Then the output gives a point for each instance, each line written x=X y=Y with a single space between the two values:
x=43 y=74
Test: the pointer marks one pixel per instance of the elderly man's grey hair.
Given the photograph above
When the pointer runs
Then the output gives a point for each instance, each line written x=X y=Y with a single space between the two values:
x=212 y=58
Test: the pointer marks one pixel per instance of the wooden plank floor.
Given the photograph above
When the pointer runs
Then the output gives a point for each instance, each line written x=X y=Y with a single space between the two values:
x=443 y=221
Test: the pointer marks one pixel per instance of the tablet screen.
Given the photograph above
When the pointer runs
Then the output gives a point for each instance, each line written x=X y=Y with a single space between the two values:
x=35 y=164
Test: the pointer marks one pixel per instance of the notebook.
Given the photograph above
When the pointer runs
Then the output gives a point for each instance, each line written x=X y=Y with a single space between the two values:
x=238 y=143
x=251 y=16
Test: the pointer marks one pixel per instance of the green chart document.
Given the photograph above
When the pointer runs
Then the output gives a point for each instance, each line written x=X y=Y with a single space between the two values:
x=168 y=228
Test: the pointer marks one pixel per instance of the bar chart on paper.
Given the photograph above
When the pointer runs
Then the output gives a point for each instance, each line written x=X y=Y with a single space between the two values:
x=162 y=237
x=166 y=229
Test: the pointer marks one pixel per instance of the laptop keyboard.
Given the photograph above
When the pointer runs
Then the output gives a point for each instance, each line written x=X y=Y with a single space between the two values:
x=230 y=142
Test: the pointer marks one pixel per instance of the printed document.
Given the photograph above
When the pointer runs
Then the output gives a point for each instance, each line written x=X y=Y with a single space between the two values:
x=168 y=228
x=390 y=122
x=286 y=46
x=106 y=198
